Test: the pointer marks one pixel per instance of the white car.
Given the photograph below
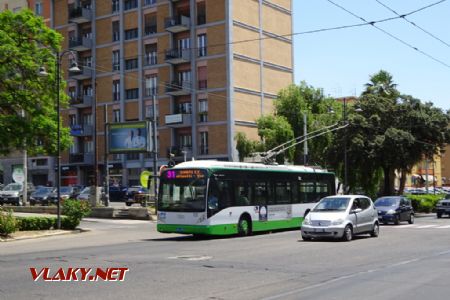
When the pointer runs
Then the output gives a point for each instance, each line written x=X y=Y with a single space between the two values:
x=341 y=217
x=84 y=194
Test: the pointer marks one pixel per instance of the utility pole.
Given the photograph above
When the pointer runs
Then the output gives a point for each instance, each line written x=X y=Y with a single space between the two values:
x=305 y=144
x=106 y=156
x=155 y=147
x=345 y=146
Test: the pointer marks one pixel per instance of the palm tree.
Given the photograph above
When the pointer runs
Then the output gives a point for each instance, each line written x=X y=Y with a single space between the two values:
x=381 y=84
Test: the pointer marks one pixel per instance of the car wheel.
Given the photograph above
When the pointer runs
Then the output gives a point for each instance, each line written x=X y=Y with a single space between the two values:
x=128 y=203
x=397 y=220
x=439 y=215
x=244 y=226
x=375 y=231
x=306 y=238
x=348 y=233
x=411 y=219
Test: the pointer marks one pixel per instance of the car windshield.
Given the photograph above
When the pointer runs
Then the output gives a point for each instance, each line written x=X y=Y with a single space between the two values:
x=43 y=190
x=66 y=189
x=13 y=187
x=86 y=190
x=332 y=204
x=387 y=202
x=183 y=191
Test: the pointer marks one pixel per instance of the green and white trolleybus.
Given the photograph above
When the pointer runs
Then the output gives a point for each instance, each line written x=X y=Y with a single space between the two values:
x=225 y=198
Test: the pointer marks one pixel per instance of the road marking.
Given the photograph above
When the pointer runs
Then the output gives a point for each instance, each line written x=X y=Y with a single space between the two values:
x=444 y=227
x=426 y=226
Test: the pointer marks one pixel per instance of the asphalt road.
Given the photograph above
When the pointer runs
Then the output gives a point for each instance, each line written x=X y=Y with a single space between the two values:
x=405 y=262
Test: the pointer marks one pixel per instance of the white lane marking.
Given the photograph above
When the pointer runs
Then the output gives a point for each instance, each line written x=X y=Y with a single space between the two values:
x=443 y=227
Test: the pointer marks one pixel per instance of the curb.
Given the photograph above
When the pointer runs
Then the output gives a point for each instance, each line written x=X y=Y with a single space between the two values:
x=43 y=233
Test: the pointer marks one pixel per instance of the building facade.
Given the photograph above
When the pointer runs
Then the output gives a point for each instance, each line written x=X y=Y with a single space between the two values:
x=212 y=67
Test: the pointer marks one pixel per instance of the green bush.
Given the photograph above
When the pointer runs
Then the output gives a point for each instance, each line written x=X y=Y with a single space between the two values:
x=8 y=223
x=36 y=223
x=424 y=203
x=74 y=211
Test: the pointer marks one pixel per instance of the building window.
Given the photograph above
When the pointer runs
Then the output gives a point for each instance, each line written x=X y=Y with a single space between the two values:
x=116 y=90
x=151 y=54
x=87 y=61
x=184 y=78
x=203 y=110
x=151 y=86
x=184 y=108
x=203 y=142
x=87 y=119
x=149 y=2
x=201 y=13
x=131 y=34
x=115 y=6
x=115 y=31
x=72 y=93
x=88 y=90
x=201 y=44
x=38 y=8
x=185 y=141
x=131 y=94
x=150 y=24
x=88 y=146
x=116 y=60
x=184 y=44
x=129 y=4
x=131 y=64
x=72 y=120
x=116 y=115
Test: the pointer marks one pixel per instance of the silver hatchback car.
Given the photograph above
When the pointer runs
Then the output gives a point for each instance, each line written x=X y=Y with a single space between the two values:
x=341 y=217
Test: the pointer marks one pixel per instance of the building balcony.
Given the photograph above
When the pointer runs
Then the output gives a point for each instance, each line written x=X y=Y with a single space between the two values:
x=150 y=59
x=180 y=152
x=177 y=24
x=178 y=120
x=178 y=56
x=80 y=44
x=81 y=101
x=85 y=73
x=81 y=158
x=81 y=130
x=80 y=15
x=176 y=88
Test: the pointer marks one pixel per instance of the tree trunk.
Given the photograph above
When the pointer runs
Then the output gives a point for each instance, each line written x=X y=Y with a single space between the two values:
x=387 y=181
x=402 y=181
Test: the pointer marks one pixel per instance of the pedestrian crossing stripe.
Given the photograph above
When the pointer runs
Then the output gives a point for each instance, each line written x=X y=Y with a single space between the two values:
x=421 y=226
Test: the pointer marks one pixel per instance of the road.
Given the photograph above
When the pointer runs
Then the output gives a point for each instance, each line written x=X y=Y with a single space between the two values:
x=405 y=262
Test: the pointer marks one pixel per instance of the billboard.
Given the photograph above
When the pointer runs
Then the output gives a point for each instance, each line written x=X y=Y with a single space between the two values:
x=129 y=137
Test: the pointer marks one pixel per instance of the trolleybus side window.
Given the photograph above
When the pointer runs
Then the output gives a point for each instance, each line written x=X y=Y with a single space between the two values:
x=307 y=193
x=283 y=192
x=243 y=193
x=261 y=193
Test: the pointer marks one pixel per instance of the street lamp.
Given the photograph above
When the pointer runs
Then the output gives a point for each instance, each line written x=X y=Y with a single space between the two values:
x=73 y=68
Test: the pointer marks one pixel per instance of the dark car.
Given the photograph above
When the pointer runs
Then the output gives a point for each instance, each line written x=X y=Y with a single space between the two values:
x=41 y=195
x=117 y=193
x=135 y=194
x=394 y=209
x=67 y=192
x=443 y=206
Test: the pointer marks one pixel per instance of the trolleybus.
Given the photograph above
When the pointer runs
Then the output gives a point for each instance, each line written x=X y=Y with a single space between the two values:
x=226 y=198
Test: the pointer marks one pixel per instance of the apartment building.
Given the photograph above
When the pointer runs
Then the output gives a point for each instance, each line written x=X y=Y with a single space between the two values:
x=212 y=67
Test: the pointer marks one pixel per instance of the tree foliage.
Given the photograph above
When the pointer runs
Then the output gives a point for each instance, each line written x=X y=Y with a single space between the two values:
x=27 y=101
x=274 y=131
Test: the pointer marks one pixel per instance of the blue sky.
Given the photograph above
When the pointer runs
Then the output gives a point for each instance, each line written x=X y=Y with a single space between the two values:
x=342 y=61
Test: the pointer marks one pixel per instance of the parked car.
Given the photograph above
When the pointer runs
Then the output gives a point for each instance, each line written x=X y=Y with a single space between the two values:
x=135 y=194
x=66 y=192
x=117 y=193
x=394 y=209
x=443 y=206
x=341 y=217
x=84 y=194
x=13 y=193
x=41 y=195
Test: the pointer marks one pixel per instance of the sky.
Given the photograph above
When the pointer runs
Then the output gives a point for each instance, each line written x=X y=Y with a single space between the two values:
x=342 y=61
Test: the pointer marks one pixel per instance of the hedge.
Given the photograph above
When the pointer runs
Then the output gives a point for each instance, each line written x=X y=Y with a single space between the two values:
x=424 y=203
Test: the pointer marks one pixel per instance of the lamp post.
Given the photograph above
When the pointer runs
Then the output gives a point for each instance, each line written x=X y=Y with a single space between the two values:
x=73 y=68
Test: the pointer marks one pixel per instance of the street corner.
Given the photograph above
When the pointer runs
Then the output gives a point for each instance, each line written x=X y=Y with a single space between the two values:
x=26 y=235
